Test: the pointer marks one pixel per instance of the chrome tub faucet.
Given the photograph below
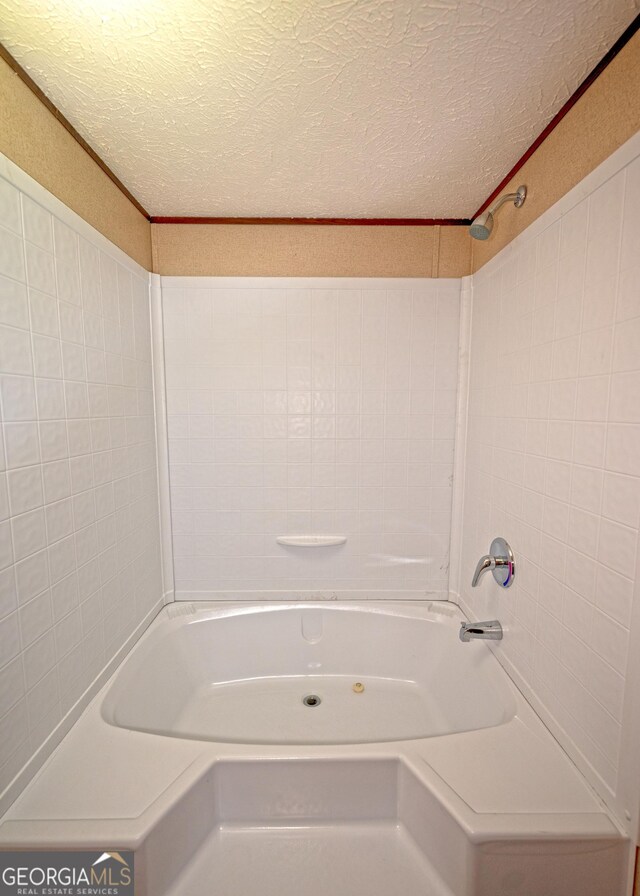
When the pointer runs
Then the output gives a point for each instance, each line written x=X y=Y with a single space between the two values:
x=500 y=561
x=486 y=631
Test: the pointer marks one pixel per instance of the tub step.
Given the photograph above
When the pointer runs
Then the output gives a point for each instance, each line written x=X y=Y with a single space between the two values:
x=359 y=859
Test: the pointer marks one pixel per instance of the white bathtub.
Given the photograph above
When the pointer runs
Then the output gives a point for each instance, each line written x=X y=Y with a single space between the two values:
x=436 y=777
x=311 y=674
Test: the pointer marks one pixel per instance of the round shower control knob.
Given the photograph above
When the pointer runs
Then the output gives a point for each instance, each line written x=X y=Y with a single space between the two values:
x=500 y=561
x=505 y=566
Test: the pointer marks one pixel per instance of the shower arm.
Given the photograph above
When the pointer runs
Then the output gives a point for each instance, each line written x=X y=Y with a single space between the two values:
x=517 y=198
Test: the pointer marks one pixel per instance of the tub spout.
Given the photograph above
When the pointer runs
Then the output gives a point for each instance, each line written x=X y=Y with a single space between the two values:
x=488 y=631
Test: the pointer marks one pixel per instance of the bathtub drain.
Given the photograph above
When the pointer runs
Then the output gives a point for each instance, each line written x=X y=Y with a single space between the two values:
x=311 y=700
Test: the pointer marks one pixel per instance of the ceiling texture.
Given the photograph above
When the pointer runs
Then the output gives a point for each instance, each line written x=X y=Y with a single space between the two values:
x=311 y=108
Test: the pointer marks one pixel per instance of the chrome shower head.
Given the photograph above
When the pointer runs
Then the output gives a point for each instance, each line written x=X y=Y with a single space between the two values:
x=482 y=226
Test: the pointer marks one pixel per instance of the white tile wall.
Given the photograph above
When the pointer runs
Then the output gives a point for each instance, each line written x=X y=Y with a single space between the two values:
x=311 y=407
x=79 y=540
x=553 y=458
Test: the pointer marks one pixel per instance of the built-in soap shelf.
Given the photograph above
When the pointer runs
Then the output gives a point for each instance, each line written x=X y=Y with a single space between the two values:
x=311 y=541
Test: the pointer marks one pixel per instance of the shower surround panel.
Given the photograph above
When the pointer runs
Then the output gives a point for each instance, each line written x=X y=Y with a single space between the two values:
x=310 y=407
x=79 y=535
x=553 y=461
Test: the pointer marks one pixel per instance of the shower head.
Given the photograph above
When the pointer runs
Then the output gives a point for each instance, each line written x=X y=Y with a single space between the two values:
x=482 y=226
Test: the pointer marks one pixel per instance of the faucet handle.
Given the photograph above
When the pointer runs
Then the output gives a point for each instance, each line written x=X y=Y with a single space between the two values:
x=500 y=561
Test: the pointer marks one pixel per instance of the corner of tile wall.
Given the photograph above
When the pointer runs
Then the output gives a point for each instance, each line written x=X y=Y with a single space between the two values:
x=161 y=435
x=460 y=438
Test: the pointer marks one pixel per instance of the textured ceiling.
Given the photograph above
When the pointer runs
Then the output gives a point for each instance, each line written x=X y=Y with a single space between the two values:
x=334 y=108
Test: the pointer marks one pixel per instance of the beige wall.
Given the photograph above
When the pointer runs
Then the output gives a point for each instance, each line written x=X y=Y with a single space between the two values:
x=274 y=250
x=601 y=121
x=604 y=118
x=36 y=141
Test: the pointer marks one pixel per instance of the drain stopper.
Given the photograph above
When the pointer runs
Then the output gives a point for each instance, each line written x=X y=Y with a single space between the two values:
x=358 y=687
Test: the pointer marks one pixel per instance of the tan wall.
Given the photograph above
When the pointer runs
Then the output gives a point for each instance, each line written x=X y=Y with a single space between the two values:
x=36 y=141
x=604 y=118
x=601 y=121
x=274 y=250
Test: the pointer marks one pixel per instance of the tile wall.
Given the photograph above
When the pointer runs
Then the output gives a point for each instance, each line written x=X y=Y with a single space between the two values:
x=311 y=407
x=553 y=457
x=79 y=540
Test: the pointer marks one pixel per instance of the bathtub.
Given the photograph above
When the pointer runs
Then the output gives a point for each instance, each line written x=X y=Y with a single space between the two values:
x=416 y=766
x=311 y=674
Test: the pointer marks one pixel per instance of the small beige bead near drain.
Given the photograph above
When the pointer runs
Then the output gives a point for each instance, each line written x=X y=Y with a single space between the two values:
x=358 y=687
